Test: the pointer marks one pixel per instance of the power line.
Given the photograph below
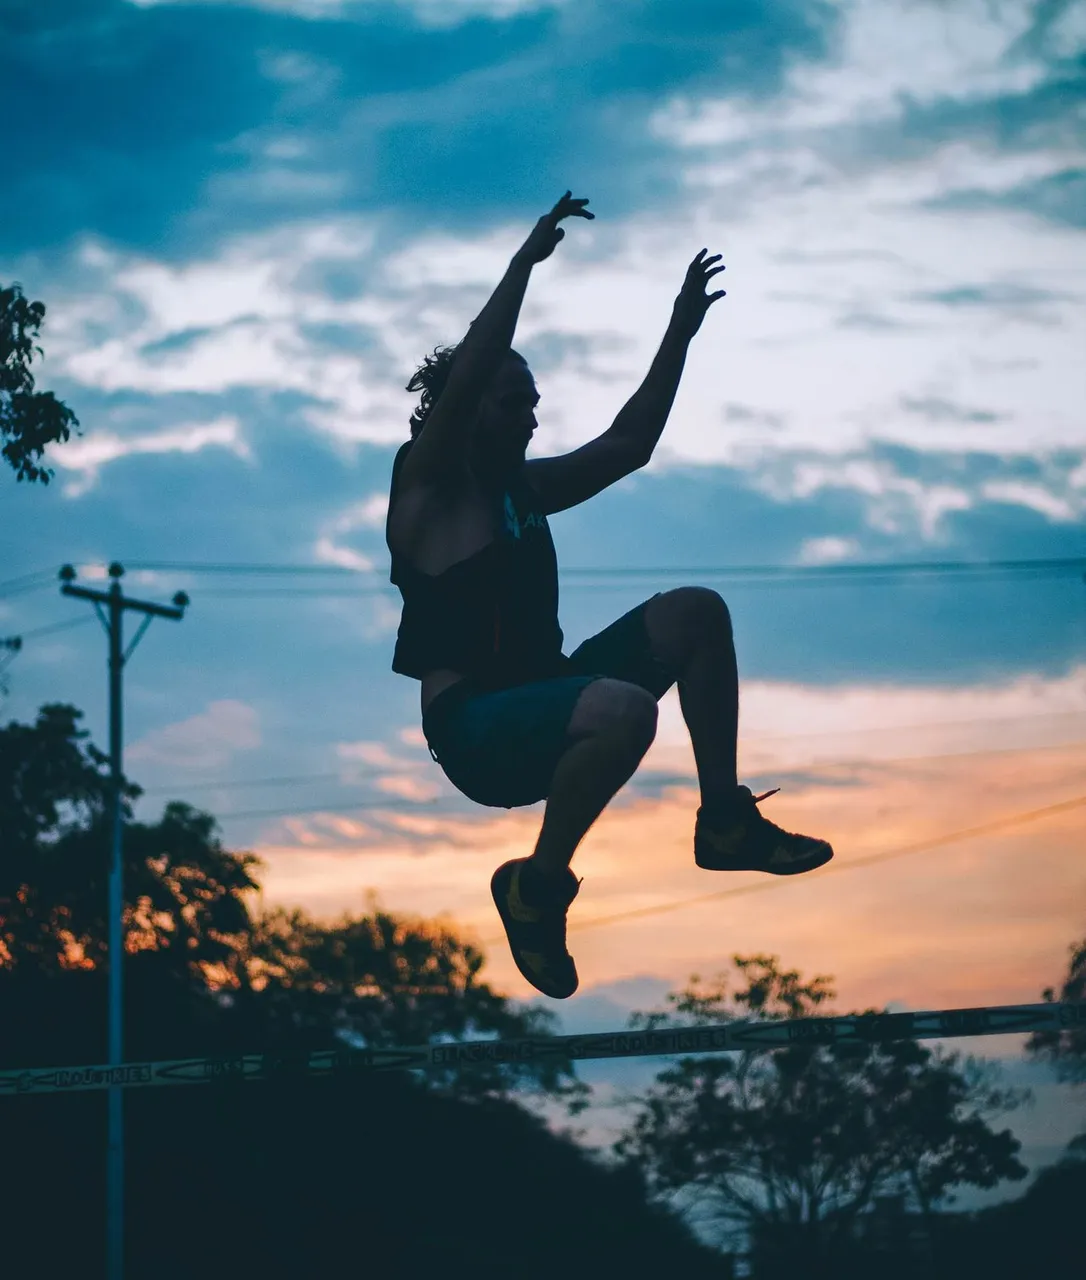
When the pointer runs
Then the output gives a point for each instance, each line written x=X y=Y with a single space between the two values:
x=1046 y=564
x=605 y=578
x=835 y=868
x=300 y=779
x=333 y=808
x=26 y=577
x=603 y=585
x=254 y=593
x=203 y=566
x=868 y=860
x=16 y=588
x=847 y=570
x=55 y=626
x=617 y=580
x=970 y=722
x=247 y=782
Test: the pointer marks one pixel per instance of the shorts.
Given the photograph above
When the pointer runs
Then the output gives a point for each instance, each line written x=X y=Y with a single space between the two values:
x=500 y=747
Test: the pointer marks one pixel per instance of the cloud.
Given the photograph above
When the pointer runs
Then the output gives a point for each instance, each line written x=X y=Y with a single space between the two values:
x=89 y=453
x=817 y=737
x=327 y=552
x=408 y=788
x=931 y=93
x=406 y=778
x=379 y=104
x=828 y=550
x=911 y=494
x=367 y=515
x=437 y=13
x=939 y=410
x=1056 y=197
x=1002 y=295
x=325 y=301
x=1007 y=900
x=253 y=317
x=869 y=320
x=207 y=741
x=1036 y=497
x=373 y=753
x=241 y=280
x=832 y=405
x=746 y=414
x=896 y=503
x=606 y=1006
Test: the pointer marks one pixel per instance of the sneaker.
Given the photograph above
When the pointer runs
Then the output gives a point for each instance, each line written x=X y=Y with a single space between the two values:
x=536 y=928
x=739 y=838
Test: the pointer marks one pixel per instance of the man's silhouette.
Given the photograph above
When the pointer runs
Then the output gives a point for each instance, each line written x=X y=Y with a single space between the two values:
x=509 y=718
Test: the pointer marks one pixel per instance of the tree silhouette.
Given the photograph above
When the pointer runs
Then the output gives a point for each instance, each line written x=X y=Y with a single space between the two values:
x=392 y=1173
x=1035 y=1234
x=1066 y=1049
x=387 y=980
x=237 y=980
x=29 y=419
x=184 y=892
x=792 y=1148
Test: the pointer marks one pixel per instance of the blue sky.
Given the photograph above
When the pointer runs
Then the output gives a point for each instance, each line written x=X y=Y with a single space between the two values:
x=250 y=221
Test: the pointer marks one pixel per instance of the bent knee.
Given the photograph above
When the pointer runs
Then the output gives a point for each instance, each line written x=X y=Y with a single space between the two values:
x=699 y=606
x=608 y=705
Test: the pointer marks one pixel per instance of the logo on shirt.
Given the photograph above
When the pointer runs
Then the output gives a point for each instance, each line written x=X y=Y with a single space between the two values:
x=513 y=524
x=512 y=521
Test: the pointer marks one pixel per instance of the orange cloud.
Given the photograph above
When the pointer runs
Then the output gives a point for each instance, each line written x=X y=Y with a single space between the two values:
x=982 y=920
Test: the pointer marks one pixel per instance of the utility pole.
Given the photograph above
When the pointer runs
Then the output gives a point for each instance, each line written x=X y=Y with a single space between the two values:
x=12 y=644
x=117 y=603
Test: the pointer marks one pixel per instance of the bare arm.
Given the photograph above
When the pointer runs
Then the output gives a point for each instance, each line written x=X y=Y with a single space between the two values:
x=629 y=441
x=626 y=445
x=641 y=421
x=442 y=445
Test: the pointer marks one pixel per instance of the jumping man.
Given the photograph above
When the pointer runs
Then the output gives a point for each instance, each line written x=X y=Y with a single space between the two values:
x=510 y=718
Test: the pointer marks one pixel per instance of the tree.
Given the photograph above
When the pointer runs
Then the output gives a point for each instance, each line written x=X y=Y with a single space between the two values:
x=184 y=892
x=283 y=1177
x=373 y=1176
x=792 y=1148
x=234 y=980
x=1066 y=1049
x=1036 y=1234
x=381 y=979
x=29 y=419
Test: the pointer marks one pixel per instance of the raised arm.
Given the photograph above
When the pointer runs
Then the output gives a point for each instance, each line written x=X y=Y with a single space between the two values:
x=442 y=446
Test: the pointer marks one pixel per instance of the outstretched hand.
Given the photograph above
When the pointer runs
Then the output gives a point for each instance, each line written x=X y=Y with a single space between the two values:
x=693 y=302
x=546 y=233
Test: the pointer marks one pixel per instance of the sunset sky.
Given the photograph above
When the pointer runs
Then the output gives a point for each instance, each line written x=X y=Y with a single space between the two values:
x=249 y=222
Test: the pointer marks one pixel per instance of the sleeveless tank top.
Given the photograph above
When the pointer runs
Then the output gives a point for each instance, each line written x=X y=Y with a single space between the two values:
x=493 y=616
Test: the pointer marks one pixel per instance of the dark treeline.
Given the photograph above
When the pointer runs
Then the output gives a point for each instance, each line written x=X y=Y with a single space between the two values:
x=810 y=1161
x=378 y=1175
x=846 y=1162
x=373 y=1177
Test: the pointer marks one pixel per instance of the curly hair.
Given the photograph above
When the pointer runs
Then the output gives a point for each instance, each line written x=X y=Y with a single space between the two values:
x=430 y=378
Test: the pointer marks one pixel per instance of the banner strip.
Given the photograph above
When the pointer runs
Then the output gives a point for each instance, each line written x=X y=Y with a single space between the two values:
x=864 y=1028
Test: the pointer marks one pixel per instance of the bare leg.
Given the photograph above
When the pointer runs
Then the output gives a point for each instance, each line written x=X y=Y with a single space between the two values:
x=690 y=632
x=612 y=727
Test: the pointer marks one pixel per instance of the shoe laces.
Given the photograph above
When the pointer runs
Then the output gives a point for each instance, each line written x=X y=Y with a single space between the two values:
x=555 y=919
x=756 y=800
